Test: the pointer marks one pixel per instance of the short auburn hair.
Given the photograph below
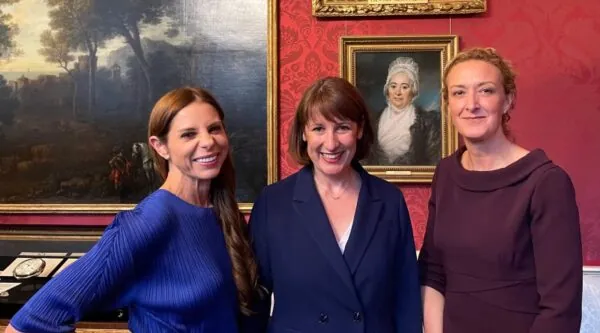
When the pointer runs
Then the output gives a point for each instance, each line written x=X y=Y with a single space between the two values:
x=333 y=98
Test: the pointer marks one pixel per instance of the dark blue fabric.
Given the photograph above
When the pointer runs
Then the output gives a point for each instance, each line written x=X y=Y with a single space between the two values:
x=371 y=288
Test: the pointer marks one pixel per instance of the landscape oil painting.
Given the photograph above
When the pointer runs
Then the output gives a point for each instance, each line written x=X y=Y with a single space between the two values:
x=78 y=79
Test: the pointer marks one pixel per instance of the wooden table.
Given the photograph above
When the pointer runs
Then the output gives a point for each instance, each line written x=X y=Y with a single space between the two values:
x=88 y=327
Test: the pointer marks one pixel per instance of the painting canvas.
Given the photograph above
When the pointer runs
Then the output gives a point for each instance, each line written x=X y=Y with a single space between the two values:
x=400 y=79
x=78 y=80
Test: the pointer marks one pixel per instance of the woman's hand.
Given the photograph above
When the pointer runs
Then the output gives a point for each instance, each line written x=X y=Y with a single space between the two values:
x=10 y=329
x=433 y=310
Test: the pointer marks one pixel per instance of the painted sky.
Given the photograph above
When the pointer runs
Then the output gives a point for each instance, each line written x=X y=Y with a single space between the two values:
x=32 y=18
x=216 y=20
x=28 y=38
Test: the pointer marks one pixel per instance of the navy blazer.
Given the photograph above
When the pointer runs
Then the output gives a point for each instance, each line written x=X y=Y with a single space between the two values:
x=372 y=287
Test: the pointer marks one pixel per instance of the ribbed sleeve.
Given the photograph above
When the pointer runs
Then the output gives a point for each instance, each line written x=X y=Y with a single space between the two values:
x=166 y=261
x=99 y=276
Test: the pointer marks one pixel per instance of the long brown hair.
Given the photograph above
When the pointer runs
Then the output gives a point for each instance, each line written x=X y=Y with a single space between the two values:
x=221 y=193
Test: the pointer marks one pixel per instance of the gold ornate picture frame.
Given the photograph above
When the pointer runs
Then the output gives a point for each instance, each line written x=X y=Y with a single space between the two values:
x=75 y=117
x=336 y=8
x=412 y=131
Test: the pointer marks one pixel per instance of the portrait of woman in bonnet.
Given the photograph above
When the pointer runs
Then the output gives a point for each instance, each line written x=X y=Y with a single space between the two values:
x=406 y=134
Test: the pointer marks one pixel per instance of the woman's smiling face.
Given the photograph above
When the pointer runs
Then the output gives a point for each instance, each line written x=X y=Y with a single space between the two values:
x=477 y=100
x=331 y=145
x=196 y=145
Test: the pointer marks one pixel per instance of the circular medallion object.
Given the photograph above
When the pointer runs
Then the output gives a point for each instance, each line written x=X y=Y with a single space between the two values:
x=29 y=268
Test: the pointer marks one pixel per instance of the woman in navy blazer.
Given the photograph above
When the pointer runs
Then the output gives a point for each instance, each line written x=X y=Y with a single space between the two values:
x=334 y=244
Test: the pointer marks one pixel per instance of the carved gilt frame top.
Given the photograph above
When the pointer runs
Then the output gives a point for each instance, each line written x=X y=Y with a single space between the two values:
x=336 y=8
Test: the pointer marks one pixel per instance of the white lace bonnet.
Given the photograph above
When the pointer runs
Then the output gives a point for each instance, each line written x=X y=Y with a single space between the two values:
x=403 y=65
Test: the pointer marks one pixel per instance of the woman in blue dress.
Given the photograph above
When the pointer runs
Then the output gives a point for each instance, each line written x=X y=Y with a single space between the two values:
x=180 y=261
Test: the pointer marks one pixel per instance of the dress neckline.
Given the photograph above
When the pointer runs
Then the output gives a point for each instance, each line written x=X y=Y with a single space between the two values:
x=176 y=198
x=499 y=178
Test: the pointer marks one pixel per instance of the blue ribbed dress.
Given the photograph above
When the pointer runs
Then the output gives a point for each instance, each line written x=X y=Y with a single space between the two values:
x=165 y=260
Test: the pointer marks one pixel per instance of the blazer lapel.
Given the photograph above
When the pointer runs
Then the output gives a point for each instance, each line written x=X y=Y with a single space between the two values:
x=365 y=223
x=309 y=208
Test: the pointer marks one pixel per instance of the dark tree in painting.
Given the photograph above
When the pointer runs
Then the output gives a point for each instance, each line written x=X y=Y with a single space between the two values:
x=56 y=48
x=8 y=105
x=7 y=31
x=124 y=18
x=76 y=21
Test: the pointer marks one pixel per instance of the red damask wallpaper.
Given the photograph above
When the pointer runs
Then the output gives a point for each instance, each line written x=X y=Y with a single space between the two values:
x=553 y=44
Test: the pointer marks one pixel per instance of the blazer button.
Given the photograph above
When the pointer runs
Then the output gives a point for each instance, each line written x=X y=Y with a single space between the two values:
x=323 y=318
x=357 y=316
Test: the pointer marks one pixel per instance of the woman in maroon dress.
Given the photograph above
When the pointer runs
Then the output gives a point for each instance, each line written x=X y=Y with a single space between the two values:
x=502 y=250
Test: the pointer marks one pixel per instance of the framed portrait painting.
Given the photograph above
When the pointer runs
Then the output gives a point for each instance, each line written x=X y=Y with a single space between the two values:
x=400 y=78
x=78 y=82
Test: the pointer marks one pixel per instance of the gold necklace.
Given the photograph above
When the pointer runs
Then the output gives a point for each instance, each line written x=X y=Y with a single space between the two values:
x=330 y=193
